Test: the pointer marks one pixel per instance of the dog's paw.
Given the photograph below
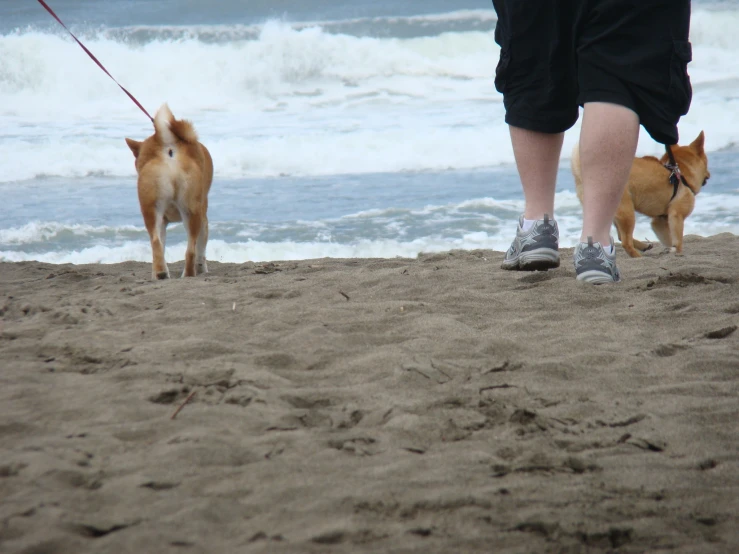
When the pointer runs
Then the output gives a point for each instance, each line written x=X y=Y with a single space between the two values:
x=162 y=275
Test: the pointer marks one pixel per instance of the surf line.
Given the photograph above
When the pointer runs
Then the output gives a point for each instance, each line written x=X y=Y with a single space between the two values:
x=48 y=9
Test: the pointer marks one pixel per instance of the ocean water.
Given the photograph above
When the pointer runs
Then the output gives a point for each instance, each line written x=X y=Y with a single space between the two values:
x=367 y=128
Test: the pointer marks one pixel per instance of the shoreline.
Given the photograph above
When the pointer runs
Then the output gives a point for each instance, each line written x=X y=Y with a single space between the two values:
x=376 y=217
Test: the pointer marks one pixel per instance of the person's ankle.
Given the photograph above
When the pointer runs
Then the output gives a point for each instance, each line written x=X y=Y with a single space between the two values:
x=537 y=215
x=528 y=223
x=604 y=240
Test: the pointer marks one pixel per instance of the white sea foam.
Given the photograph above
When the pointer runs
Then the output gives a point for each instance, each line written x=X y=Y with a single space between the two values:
x=298 y=99
x=39 y=232
x=233 y=242
x=239 y=252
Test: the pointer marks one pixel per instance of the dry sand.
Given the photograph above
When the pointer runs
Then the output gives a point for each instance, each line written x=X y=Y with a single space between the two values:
x=437 y=404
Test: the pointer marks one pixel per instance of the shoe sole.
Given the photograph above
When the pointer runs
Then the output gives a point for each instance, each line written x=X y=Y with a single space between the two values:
x=536 y=260
x=596 y=278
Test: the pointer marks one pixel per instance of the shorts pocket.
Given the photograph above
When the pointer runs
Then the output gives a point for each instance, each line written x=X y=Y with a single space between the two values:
x=681 y=91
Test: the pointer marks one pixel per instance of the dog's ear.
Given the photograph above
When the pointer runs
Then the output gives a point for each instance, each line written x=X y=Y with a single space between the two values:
x=135 y=146
x=698 y=143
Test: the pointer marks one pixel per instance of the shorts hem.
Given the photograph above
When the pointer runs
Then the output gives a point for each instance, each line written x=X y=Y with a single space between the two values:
x=663 y=134
x=549 y=125
x=607 y=98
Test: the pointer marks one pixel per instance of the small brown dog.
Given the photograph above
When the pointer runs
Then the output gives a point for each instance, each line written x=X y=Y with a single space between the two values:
x=175 y=173
x=650 y=192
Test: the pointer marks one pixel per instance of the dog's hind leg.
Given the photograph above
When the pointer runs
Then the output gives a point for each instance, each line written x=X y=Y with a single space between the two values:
x=625 y=223
x=157 y=228
x=201 y=266
x=642 y=246
x=193 y=223
x=163 y=233
x=639 y=245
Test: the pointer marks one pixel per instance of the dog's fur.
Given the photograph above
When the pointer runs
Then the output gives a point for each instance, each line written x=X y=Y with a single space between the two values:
x=175 y=172
x=649 y=192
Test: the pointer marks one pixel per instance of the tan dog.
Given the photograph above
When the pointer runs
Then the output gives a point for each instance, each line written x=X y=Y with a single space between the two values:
x=650 y=192
x=175 y=172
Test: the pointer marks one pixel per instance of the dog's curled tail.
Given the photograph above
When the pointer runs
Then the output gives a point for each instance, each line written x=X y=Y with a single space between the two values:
x=171 y=130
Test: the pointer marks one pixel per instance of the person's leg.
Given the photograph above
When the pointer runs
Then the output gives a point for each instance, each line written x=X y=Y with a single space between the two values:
x=537 y=159
x=536 y=245
x=536 y=75
x=624 y=83
x=608 y=140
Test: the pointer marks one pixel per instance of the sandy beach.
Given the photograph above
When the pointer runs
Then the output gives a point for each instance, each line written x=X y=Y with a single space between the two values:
x=437 y=404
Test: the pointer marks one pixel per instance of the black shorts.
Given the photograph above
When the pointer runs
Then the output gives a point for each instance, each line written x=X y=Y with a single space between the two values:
x=556 y=55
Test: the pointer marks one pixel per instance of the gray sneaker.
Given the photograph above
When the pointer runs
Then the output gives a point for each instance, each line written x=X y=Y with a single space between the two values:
x=593 y=265
x=536 y=249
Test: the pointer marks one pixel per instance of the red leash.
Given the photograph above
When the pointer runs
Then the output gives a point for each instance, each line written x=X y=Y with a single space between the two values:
x=48 y=9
